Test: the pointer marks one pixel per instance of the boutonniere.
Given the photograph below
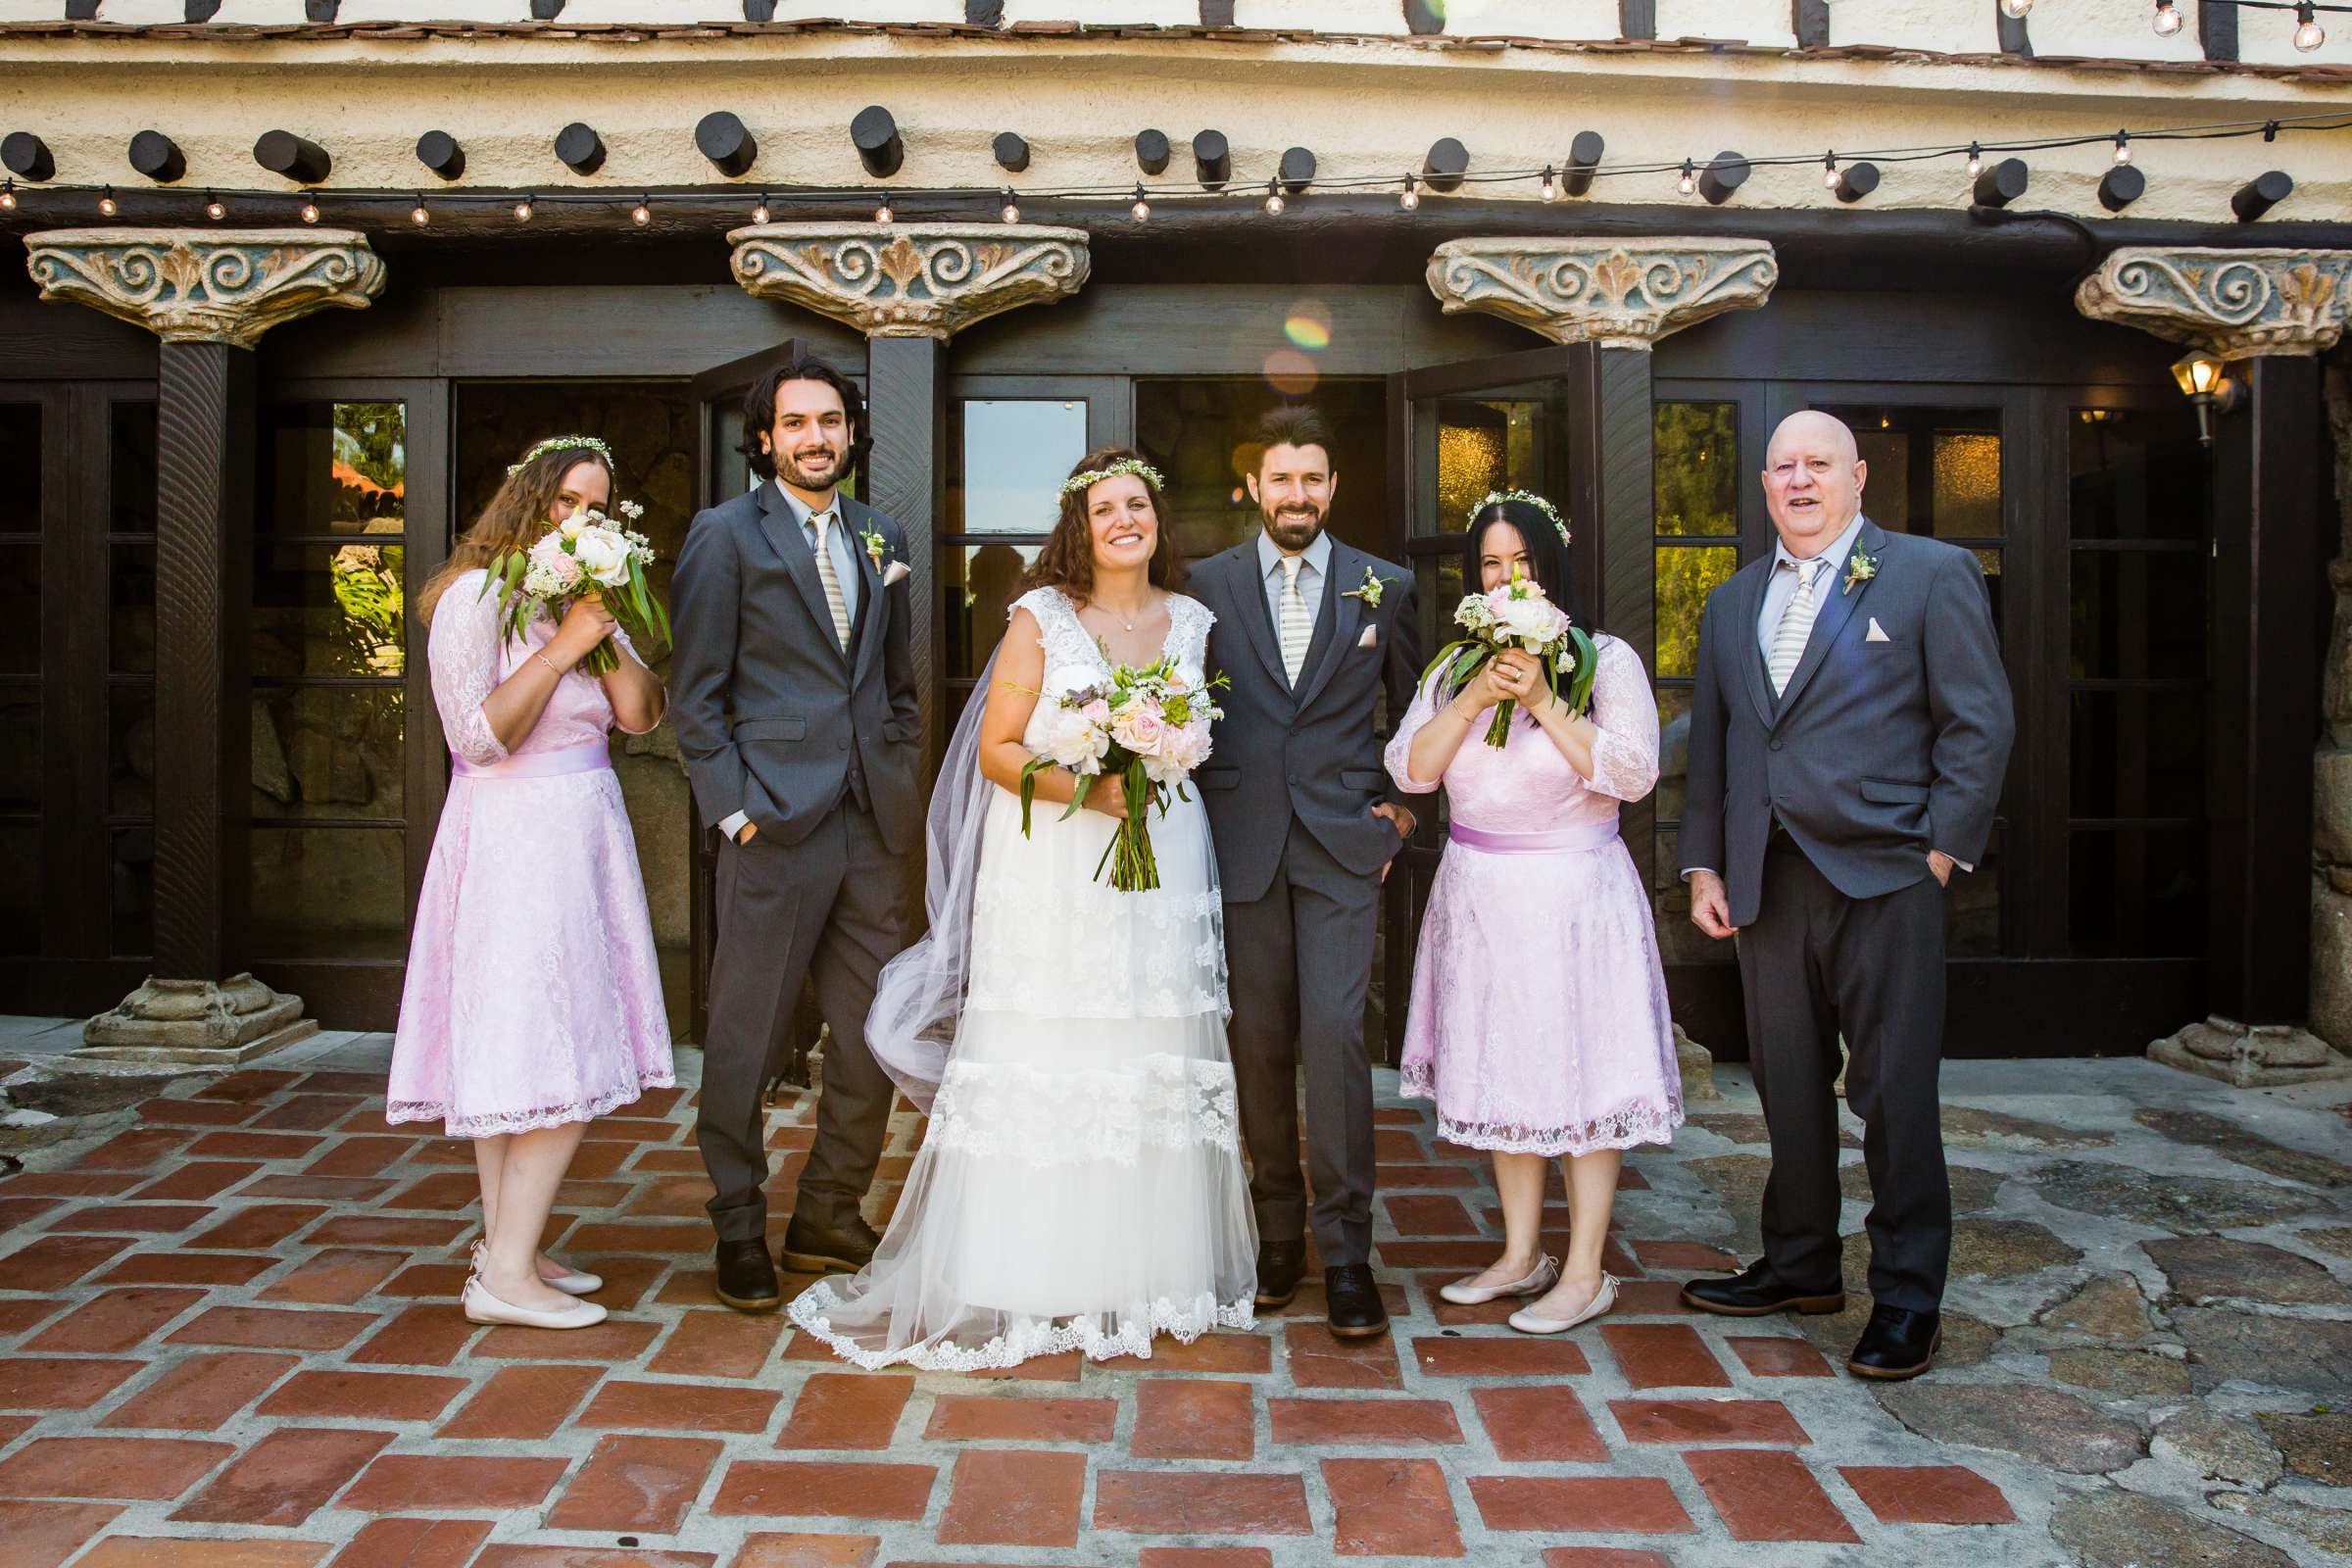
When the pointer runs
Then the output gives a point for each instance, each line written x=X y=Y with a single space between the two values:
x=876 y=547
x=1370 y=592
x=1860 y=567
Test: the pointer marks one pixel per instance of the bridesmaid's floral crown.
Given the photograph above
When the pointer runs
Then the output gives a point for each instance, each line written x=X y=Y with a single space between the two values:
x=1094 y=476
x=1494 y=498
x=558 y=443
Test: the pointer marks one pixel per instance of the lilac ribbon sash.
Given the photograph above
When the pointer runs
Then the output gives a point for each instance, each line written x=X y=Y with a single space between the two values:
x=583 y=758
x=1583 y=836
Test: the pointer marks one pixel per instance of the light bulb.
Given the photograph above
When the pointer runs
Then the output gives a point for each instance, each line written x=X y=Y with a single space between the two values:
x=883 y=213
x=2123 y=146
x=1551 y=187
x=1829 y=172
x=213 y=208
x=1976 y=160
x=2168 y=19
x=1010 y=212
x=759 y=209
x=1141 y=210
x=641 y=214
x=522 y=211
x=2309 y=35
x=1274 y=202
x=1690 y=180
x=417 y=214
x=8 y=196
x=1410 y=200
x=2014 y=10
x=310 y=212
x=106 y=201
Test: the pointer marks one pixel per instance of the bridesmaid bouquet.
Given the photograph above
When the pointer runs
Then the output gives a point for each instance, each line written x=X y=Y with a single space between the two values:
x=1516 y=615
x=586 y=553
x=1149 y=726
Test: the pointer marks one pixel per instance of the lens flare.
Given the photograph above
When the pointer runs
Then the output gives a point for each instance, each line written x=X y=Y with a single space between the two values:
x=1308 y=325
x=1291 y=373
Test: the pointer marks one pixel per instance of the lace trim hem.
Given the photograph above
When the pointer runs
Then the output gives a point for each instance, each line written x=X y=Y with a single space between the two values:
x=499 y=1122
x=1045 y=1337
x=1626 y=1129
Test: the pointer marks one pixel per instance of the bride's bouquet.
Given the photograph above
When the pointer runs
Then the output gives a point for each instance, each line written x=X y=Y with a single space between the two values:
x=1519 y=616
x=588 y=552
x=1150 y=727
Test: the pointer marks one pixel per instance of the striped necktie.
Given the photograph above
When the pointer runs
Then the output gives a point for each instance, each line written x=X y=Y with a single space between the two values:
x=1795 y=629
x=831 y=578
x=1297 y=625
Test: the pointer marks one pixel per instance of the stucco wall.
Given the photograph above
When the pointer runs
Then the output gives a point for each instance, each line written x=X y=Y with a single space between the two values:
x=1366 y=107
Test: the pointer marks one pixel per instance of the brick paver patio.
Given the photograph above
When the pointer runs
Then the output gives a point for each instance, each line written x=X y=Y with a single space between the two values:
x=231 y=1323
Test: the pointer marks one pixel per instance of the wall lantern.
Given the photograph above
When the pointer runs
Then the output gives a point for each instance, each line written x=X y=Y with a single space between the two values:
x=2205 y=382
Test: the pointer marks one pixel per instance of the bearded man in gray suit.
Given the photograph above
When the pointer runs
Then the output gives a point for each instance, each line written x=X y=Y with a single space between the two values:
x=1311 y=632
x=794 y=693
x=1849 y=729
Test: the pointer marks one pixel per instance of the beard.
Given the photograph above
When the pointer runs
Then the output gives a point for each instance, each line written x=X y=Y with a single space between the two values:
x=1295 y=531
x=816 y=470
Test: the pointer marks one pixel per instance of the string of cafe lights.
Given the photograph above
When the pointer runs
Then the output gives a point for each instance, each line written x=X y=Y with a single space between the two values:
x=1997 y=176
x=2306 y=36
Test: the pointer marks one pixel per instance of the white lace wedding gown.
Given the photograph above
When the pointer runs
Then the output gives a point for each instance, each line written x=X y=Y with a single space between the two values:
x=1080 y=1185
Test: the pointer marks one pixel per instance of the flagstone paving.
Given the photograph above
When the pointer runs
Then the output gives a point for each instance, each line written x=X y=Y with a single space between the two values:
x=228 y=1339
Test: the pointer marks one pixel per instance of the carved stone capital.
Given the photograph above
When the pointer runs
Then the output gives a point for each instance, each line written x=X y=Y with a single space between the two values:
x=1617 y=293
x=2237 y=303
x=911 y=279
x=210 y=285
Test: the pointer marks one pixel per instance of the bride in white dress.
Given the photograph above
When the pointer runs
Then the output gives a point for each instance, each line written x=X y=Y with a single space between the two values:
x=1080 y=1184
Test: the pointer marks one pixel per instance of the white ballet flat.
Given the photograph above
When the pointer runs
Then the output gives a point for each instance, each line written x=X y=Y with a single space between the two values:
x=571 y=1282
x=483 y=1308
x=1526 y=1321
x=1461 y=1293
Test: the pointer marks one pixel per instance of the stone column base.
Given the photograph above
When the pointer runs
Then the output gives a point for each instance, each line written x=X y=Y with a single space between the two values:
x=196 y=1023
x=1697 y=1066
x=2251 y=1056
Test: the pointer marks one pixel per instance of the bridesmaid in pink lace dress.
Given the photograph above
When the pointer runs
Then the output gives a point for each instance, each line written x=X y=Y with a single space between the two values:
x=1538 y=1018
x=532 y=1002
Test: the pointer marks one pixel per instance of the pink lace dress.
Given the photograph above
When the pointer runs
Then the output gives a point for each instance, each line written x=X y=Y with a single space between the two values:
x=532 y=995
x=1539 y=1020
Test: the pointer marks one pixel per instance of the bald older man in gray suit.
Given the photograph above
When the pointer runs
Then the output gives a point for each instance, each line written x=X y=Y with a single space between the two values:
x=1849 y=729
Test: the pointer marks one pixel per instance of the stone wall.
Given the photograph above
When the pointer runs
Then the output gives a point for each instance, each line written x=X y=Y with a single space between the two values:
x=2332 y=804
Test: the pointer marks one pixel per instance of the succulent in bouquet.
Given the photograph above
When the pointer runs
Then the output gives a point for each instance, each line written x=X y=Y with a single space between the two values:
x=586 y=553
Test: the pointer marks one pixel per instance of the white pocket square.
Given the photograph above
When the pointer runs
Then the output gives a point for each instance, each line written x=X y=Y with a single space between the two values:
x=1370 y=638
x=899 y=572
x=1878 y=633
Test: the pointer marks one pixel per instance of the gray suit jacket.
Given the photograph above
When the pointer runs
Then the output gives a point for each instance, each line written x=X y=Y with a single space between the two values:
x=1312 y=753
x=1876 y=752
x=768 y=708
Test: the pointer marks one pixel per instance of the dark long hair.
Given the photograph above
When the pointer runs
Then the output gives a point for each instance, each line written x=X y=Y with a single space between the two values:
x=1546 y=558
x=760 y=413
x=1067 y=560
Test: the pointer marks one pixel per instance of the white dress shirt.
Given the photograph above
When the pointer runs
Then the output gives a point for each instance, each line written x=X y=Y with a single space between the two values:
x=843 y=551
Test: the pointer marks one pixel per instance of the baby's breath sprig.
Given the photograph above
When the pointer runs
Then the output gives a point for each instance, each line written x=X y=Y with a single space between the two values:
x=1559 y=524
x=1094 y=476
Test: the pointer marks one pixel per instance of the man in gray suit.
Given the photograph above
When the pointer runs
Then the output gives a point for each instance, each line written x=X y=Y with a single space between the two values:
x=794 y=698
x=1309 y=632
x=1849 y=729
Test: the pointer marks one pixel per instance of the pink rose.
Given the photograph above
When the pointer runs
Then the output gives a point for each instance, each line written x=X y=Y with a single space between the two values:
x=1139 y=728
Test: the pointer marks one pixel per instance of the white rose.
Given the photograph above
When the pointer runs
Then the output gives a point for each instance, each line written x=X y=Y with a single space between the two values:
x=1074 y=742
x=1531 y=620
x=603 y=556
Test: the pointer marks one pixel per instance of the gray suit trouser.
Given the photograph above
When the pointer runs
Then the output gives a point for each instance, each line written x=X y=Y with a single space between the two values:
x=1816 y=963
x=1304 y=957
x=828 y=907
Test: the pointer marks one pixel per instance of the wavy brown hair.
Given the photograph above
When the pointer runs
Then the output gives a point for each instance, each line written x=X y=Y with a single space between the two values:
x=514 y=519
x=1067 y=561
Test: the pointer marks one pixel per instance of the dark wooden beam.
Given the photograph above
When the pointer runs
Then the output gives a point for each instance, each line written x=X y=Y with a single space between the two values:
x=1619 y=523
x=203 y=601
x=1424 y=16
x=1216 y=13
x=2217 y=29
x=1809 y=20
x=2263 y=716
x=1636 y=19
x=906 y=392
x=2011 y=30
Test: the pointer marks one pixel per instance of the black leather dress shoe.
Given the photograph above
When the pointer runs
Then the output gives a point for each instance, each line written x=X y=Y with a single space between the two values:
x=747 y=1280
x=1279 y=1265
x=818 y=1250
x=1352 y=1302
x=1898 y=1344
x=1757 y=1291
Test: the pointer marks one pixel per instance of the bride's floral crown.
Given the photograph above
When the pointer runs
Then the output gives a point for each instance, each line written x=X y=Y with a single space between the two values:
x=1559 y=524
x=558 y=443
x=1094 y=476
